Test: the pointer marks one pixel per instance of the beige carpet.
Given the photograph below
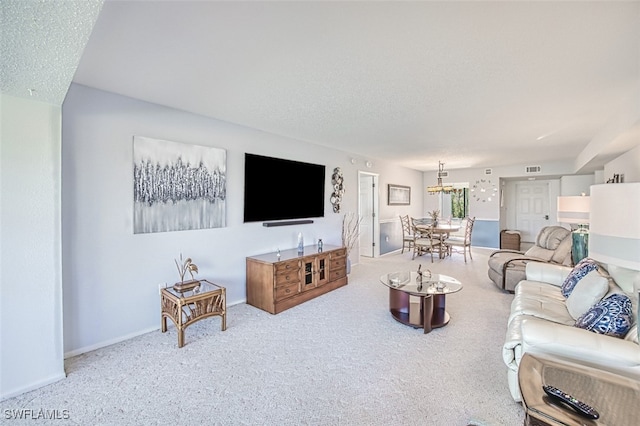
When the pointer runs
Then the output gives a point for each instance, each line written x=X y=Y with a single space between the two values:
x=340 y=359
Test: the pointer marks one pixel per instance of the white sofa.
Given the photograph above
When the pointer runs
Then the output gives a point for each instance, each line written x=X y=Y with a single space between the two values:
x=542 y=320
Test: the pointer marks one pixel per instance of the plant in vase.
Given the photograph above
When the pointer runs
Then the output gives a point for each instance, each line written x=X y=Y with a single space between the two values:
x=185 y=266
x=434 y=215
x=350 y=234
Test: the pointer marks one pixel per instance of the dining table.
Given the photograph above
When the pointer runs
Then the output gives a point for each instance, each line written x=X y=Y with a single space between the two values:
x=442 y=229
x=439 y=228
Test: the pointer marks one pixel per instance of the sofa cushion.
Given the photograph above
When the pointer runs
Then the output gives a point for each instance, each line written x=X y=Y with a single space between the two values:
x=562 y=254
x=547 y=308
x=579 y=271
x=529 y=288
x=587 y=292
x=540 y=253
x=550 y=237
x=632 y=334
x=612 y=316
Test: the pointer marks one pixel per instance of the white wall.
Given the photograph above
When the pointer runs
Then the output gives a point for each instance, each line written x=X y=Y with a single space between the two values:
x=390 y=174
x=576 y=185
x=110 y=275
x=30 y=284
x=627 y=164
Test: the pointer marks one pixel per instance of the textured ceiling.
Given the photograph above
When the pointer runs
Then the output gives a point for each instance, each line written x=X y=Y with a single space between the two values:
x=40 y=45
x=474 y=84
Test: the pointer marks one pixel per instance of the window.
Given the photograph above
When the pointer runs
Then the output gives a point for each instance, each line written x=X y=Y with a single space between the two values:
x=460 y=203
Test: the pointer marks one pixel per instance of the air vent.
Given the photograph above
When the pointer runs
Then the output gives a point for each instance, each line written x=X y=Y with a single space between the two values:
x=443 y=174
x=533 y=169
x=488 y=171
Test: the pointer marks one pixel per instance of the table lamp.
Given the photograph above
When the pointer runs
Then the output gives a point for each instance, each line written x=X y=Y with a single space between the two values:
x=575 y=210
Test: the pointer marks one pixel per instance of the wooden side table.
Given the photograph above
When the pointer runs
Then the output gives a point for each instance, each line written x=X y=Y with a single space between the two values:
x=615 y=397
x=186 y=307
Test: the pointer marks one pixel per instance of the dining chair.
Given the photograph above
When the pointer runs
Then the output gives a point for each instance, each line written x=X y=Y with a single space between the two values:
x=426 y=241
x=408 y=236
x=463 y=242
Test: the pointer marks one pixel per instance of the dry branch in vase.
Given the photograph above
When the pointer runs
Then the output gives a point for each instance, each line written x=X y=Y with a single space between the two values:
x=350 y=230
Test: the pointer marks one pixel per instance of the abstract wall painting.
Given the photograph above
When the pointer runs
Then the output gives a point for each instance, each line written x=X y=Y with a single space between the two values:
x=177 y=186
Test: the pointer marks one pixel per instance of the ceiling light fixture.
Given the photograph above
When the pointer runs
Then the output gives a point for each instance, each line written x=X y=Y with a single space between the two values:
x=439 y=188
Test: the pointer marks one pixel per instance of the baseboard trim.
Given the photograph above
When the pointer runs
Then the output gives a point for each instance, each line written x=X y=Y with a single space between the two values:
x=110 y=342
x=33 y=386
x=481 y=248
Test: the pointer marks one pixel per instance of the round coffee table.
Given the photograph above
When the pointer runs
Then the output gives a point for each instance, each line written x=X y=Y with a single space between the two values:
x=419 y=300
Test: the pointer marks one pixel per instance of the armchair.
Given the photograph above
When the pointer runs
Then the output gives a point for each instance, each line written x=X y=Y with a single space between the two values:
x=507 y=267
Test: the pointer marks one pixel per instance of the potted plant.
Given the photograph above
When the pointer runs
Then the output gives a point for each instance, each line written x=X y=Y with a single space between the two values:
x=434 y=215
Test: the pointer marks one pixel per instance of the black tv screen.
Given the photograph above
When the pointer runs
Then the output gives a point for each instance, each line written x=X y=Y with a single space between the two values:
x=278 y=189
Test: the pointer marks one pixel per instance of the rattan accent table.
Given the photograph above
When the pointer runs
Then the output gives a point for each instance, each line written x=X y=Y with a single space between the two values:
x=186 y=307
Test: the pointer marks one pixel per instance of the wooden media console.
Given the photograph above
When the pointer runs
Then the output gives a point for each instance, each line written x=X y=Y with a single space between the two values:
x=279 y=281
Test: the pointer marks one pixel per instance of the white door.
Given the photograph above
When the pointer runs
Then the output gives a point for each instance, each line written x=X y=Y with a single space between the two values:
x=532 y=209
x=368 y=211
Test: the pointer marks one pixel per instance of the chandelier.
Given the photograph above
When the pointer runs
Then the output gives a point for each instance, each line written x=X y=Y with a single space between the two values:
x=439 y=188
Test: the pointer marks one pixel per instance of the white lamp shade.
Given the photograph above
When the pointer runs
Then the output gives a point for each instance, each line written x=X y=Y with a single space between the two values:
x=574 y=209
x=614 y=235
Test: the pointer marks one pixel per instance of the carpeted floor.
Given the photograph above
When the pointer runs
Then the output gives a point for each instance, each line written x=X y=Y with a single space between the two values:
x=340 y=359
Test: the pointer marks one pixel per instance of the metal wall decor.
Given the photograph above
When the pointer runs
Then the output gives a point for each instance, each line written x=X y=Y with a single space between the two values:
x=177 y=186
x=338 y=189
x=484 y=190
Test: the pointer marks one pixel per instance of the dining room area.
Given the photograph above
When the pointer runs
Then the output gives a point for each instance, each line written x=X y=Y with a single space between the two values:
x=436 y=236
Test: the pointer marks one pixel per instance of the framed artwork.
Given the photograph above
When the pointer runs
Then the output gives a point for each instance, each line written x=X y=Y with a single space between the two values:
x=177 y=186
x=399 y=195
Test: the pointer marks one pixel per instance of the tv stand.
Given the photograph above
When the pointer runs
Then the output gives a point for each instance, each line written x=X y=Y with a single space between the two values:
x=276 y=283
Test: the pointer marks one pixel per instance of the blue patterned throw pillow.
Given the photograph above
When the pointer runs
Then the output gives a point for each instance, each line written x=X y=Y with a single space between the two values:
x=612 y=316
x=579 y=271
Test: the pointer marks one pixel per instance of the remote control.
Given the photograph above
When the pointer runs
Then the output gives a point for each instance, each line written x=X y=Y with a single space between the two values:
x=579 y=406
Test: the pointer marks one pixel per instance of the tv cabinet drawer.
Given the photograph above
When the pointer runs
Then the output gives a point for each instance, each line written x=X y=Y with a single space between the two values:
x=339 y=253
x=337 y=274
x=288 y=266
x=338 y=263
x=287 y=278
x=285 y=291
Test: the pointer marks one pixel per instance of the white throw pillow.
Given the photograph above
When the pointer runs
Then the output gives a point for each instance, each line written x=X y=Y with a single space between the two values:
x=627 y=279
x=587 y=292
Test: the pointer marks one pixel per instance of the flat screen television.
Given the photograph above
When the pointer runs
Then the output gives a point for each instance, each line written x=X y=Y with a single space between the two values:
x=278 y=189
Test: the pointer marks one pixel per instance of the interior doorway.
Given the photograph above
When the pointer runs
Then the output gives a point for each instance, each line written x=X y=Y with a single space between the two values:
x=368 y=212
x=532 y=209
